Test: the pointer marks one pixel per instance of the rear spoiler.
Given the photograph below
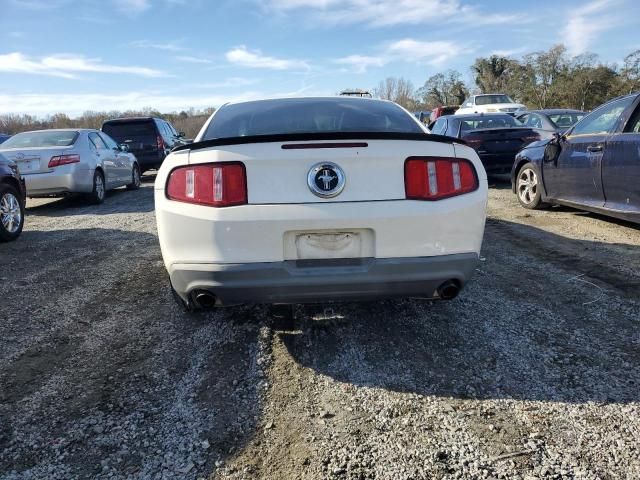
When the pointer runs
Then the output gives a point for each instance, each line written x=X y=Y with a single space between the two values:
x=301 y=137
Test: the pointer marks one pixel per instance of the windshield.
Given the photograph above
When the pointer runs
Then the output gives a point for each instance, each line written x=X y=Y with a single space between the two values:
x=489 y=121
x=47 y=138
x=303 y=115
x=566 y=120
x=489 y=99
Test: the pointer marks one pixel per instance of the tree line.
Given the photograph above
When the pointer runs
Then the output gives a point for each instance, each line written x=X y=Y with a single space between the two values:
x=545 y=79
x=187 y=121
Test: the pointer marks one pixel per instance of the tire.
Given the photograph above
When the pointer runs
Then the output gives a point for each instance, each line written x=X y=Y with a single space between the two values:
x=135 y=178
x=99 y=188
x=11 y=213
x=528 y=189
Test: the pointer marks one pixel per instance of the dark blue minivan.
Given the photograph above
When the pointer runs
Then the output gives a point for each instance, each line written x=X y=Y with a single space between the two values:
x=594 y=166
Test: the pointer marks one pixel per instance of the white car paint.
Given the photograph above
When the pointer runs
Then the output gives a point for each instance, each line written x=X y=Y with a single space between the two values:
x=471 y=106
x=281 y=208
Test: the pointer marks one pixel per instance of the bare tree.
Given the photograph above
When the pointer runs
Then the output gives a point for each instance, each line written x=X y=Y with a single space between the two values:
x=397 y=90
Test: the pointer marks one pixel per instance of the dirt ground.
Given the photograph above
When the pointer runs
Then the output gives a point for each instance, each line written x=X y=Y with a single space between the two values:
x=533 y=372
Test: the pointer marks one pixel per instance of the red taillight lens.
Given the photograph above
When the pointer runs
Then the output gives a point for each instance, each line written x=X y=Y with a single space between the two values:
x=212 y=184
x=433 y=178
x=160 y=142
x=534 y=137
x=63 y=160
x=473 y=142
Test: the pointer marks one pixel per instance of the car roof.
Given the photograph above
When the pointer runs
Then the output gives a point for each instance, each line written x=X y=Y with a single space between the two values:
x=62 y=130
x=124 y=119
x=554 y=110
x=328 y=99
x=474 y=115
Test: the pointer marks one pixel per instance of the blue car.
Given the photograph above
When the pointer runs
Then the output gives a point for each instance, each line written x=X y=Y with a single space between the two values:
x=4 y=137
x=594 y=166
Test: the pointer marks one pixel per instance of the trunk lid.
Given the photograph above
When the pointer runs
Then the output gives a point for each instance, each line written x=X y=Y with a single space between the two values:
x=500 y=140
x=35 y=159
x=278 y=173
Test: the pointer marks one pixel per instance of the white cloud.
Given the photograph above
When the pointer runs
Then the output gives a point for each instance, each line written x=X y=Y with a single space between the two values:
x=229 y=82
x=132 y=7
x=75 y=104
x=67 y=66
x=255 y=59
x=190 y=59
x=508 y=52
x=433 y=53
x=379 y=13
x=169 y=46
x=360 y=63
x=586 y=23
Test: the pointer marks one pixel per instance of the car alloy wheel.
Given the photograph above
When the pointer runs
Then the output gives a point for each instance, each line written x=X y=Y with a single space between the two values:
x=136 y=177
x=99 y=186
x=527 y=186
x=10 y=213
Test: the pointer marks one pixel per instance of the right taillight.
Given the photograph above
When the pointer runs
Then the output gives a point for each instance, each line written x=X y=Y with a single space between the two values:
x=211 y=184
x=59 y=160
x=435 y=178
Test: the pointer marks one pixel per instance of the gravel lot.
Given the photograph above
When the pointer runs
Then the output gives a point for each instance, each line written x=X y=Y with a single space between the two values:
x=533 y=372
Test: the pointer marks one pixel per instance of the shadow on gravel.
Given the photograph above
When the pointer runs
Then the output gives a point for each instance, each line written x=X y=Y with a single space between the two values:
x=119 y=200
x=545 y=318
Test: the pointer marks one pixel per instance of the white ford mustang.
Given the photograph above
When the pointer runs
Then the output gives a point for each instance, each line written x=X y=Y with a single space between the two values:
x=305 y=200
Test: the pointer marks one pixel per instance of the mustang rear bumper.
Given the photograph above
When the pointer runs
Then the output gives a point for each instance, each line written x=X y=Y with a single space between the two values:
x=312 y=281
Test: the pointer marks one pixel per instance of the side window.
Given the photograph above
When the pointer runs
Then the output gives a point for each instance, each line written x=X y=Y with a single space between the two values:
x=161 y=128
x=603 y=119
x=439 y=127
x=108 y=140
x=633 y=126
x=534 y=121
x=97 y=142
x=172 y=130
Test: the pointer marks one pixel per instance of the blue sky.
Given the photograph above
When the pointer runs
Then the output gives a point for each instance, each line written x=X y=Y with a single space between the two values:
x=71 y=56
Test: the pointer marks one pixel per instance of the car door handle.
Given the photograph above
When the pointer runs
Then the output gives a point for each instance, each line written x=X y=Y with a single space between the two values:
x=594 y=148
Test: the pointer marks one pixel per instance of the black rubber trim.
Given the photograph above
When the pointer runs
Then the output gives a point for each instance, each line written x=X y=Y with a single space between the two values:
x=301 y=137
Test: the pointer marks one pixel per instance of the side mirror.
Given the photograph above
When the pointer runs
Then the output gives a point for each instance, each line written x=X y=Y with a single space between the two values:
x=182 y=134
x=123 y=147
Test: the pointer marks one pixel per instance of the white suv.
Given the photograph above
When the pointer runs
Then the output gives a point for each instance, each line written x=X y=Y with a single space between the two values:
x=490 y=103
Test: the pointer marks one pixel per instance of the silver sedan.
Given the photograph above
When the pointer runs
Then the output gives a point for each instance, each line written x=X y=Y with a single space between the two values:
x=64 y=161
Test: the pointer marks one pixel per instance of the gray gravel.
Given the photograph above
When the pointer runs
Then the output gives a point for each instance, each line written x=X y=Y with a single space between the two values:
x=533 y=372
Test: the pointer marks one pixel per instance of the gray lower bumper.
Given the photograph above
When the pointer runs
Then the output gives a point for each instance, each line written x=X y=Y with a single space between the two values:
x=312 y=281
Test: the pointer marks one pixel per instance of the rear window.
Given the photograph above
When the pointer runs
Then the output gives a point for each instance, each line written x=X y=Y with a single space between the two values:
x=489 y=121
x=489 y=99
x=271 y=117
x=121 y=131
x=48 y=138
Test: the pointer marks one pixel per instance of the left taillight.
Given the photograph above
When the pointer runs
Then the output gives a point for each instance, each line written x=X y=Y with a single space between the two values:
x=435 y=178
x=212 y=184
x=59 y=160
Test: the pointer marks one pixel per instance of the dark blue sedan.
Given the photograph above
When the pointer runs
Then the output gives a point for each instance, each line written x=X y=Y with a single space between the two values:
x=594 y=166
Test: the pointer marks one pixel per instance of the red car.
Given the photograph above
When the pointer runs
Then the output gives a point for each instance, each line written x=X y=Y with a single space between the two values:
x=438 y=112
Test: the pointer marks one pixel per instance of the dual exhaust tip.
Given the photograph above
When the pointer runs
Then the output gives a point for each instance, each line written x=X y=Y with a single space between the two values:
x=203 y=299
